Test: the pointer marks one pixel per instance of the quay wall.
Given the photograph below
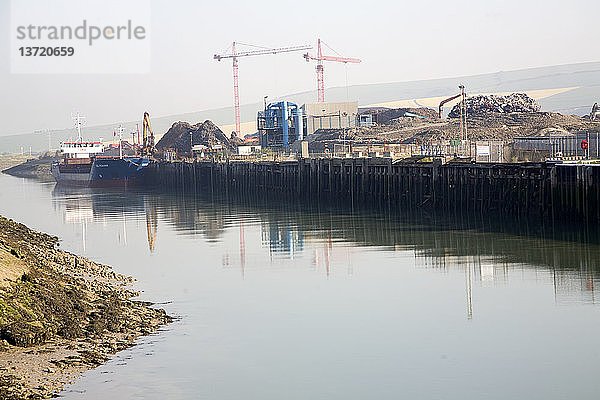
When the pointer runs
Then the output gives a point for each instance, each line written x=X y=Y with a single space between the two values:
x=558 y=191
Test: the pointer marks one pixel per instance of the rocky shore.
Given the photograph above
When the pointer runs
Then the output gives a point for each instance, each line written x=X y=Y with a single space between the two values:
x=60 y=314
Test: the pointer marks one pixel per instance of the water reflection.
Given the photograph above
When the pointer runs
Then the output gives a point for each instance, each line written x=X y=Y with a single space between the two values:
x=282 y=237
x=151 y=226
x=333 y=302
x=491 y=252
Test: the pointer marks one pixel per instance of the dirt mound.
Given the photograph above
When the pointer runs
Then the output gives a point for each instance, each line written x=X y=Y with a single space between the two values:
x=527 y=124
x=388 y=115
x=205 y=133
x=485 y=126
x=484 y=104
x=424 y=112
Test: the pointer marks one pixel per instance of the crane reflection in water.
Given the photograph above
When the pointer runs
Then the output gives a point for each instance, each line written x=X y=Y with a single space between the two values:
x=151 y=226
x=489 y=252
x=83 y=206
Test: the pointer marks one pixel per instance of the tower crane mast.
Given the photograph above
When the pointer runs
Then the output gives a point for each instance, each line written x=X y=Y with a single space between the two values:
x=319 y=58
x=234 y=55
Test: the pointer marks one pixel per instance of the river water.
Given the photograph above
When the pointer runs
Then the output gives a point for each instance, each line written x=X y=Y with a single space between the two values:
x=284 y=300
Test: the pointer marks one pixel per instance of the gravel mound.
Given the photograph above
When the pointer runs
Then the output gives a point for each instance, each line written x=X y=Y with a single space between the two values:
x=388 y=115
x=205 y=133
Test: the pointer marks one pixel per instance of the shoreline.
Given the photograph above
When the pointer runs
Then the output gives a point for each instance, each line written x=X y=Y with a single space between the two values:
x=27 y=167
x=60 y=314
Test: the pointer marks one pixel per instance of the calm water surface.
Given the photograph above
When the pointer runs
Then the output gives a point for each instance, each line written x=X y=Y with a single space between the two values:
x=300 y=301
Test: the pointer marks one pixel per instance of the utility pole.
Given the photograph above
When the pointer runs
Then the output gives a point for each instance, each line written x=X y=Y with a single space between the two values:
x=345 y=114
x=464 y=95
x=463 y=118
x=262 y=136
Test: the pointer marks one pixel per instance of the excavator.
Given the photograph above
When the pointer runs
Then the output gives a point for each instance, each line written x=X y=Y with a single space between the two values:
x=462 y=93
x=463 y=111
x=148 y=137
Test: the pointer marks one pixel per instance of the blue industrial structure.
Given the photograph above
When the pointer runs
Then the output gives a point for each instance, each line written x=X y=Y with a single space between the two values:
x=280 y=124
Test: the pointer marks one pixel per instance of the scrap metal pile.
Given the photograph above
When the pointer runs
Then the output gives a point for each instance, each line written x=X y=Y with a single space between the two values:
x=482 y=104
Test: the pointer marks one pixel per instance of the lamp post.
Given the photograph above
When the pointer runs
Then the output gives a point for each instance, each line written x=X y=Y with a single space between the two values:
x=344 y=114
x=263 y=139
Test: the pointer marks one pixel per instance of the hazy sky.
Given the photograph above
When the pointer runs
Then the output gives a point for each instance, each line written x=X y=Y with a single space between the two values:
x=397 y=41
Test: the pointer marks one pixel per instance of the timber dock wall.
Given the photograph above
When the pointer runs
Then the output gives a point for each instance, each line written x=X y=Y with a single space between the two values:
x=541 y=189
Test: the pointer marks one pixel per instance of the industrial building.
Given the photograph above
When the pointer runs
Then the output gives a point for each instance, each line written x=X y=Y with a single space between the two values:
x=246 y=150
x=280 y=124
x=329 y=115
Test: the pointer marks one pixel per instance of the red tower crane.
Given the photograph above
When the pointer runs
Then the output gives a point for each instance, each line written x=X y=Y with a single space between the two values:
x=234 y=55
x=319 y=59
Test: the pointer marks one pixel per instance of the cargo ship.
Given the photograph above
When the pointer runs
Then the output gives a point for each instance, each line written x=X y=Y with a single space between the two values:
x=83 y=163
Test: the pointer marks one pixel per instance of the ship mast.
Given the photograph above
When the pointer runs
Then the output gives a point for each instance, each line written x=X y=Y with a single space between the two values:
x=120 y=130
x=79 y=120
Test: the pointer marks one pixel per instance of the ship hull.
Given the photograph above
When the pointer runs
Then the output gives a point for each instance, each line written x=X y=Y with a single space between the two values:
x=102 y=172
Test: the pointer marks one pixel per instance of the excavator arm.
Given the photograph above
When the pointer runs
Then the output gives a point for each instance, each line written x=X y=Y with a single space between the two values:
x=148 y=135
x=440 y=109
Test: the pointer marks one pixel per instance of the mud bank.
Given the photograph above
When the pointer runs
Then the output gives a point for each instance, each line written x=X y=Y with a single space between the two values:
x=60 y=314
x=36 y=168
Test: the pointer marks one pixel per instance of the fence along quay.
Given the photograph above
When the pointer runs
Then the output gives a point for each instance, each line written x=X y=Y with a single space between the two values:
x=553 y=190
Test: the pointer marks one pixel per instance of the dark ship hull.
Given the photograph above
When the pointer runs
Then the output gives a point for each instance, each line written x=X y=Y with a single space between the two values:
x=100 y=171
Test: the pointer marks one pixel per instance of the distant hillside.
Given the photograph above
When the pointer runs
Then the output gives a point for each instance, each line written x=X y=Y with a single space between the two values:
x=585 y=76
